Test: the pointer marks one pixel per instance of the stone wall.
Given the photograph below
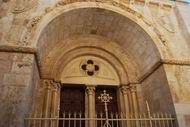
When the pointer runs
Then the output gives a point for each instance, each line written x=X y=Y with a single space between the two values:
x=179 y=83
x=156 y=91
x=184 y=18
x=17 y=79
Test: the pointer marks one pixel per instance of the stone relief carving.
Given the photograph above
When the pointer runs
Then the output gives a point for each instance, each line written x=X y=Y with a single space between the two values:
x=23 y=6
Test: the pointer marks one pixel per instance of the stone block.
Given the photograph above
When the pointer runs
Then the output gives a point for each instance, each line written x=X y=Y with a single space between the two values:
x=187 y=120
x=16 y=79
x=5 y=66
x=21 y=67
x=5 y=56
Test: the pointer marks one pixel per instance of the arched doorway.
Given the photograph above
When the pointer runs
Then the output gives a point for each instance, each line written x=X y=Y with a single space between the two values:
x=72 y=42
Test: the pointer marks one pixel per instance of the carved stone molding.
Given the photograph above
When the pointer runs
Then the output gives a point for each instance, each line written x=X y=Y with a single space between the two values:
x=161 y=62
x=176 y=62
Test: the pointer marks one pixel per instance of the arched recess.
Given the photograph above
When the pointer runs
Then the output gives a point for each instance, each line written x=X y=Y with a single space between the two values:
x=115 y=25
x=105 y=31
x=89 y=45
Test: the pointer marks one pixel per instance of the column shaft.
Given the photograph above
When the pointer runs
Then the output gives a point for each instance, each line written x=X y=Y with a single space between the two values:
x=90 y=90
x=134 y=100
x=47 y=104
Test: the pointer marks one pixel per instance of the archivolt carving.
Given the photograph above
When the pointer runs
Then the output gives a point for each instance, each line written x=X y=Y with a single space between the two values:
x=62 y=3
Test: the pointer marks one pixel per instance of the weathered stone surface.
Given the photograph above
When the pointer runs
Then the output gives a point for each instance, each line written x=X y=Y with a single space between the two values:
x=135 y=37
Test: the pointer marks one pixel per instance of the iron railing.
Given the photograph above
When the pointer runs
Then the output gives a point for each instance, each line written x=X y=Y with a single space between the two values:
x=114 y=120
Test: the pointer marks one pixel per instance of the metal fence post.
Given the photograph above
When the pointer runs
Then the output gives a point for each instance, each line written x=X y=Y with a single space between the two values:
x=149 y=114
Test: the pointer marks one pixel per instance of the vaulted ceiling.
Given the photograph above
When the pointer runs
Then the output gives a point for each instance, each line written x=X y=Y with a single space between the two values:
x=101 y=29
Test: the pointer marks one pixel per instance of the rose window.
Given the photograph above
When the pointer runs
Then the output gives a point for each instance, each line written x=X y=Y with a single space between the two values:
x=90 y=67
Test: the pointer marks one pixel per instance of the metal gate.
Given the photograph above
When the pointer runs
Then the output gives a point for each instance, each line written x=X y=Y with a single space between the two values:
x=69 y=119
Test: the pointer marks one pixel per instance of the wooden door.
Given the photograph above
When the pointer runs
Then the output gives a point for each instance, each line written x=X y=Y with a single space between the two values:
x=72 y=101
x=112 y=105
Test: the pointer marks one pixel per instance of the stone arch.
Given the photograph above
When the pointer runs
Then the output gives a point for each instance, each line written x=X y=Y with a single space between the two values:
x=90 y=45
x=149 y=42
x=130 y=14
x=106 y=73
x=57 y=35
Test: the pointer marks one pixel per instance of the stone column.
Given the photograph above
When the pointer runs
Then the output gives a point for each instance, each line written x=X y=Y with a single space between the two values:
x=55 y=99
x=55 y=102
x=125 y=92
x=90 y=90
x=133 y=90
x=47 y=103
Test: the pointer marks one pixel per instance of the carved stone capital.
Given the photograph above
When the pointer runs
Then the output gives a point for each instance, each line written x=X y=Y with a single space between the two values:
x=48 y=84
x=90 y=90
x=55 y=86
x=125 y=89
x=133 y=88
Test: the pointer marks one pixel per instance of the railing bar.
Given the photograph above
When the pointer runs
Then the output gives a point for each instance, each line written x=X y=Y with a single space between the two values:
x=96 y=121
x=140 y=120
x=63 y=122
x=166 y=116
x=121 y=115
x=75 y=120
x=131 y=122
x=69 y=119
x=40 y=123
x=112 y=118
x=145 y=121
x=170 y=116
x=159 y=122
x=117 y=122
x=162 y=117
x=154 y=120
x=80 y=115
x=101 y=115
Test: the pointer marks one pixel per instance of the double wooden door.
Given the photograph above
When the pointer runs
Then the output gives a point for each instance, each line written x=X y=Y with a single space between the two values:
x=73 y=100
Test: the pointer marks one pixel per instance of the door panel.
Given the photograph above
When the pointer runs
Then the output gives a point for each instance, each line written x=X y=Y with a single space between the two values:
x=72 y=101
x=112 y=105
